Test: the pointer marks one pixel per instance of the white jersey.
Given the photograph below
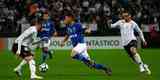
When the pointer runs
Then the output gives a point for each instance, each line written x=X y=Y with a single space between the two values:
x=27 y=37
x=127 y=31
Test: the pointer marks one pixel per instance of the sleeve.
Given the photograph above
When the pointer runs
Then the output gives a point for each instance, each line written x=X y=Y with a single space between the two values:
x=115 y=25
x=66 y=32
x=22 y=37
x=136 y=28
x=80 y=28
x=19 y=44
x=52 y=27
x=34 y=36
x=36 y=40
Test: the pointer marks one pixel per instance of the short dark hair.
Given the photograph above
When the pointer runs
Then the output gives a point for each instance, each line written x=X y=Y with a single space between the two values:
x=125 y=11
x=36 y=20
x=71 y=14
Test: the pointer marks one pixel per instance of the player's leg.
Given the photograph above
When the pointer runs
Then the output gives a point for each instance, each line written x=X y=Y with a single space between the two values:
x=80 y=53
x=127 y=49
x=44 y=55
x=131 y=49
x=45 y=51
x=143 y=67
x=18 y=69
x=132 y=52
x=84 y=57
x=28 y=57
x=32 y=67
x=50 y=52
x=96 y=65
x=136 y=56
x=23 y=62
x=137 y=59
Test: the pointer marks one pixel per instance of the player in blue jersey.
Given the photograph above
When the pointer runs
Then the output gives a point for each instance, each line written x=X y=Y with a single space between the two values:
x=48 y=30
x=74 y=31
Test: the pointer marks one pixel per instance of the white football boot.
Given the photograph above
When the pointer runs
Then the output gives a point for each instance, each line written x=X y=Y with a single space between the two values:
x=147 y=69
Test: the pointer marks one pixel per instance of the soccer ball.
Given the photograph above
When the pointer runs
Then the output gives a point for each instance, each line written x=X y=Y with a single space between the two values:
x=43 y=67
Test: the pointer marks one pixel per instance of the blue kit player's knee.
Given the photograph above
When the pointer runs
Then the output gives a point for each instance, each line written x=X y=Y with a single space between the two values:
x=44 y=55
x=45 y=50
x=98 y=66
x=88 y=62
x=91 y=63
x=80 y=57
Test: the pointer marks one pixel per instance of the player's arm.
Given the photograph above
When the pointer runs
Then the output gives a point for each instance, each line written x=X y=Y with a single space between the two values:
x=53 y=29
x=20 y=40
x=115 y=25
x=88 y=29
x=19 y=46
x=140 y=33
x=25 y=34
x=55 y=34
x=66 y=37
x=36 y=40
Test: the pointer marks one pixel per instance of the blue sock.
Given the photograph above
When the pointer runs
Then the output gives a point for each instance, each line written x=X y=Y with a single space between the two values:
x=88 y=62
x=44 y=57
x=80 y=57
x=98 y=66
x=50 y=54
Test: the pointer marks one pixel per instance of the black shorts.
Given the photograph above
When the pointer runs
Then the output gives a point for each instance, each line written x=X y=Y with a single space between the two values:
x=24 y=50
x=132 y=43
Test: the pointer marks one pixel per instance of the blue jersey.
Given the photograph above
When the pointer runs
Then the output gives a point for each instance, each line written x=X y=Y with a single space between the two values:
x=75 y=33
x=48 y=28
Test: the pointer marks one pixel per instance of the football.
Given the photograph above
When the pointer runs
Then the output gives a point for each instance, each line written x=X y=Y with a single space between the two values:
x=43 y=67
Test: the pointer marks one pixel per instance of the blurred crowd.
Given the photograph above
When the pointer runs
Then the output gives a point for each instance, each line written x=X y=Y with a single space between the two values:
x=143 y=11
x=7 y=18
x=94 y=13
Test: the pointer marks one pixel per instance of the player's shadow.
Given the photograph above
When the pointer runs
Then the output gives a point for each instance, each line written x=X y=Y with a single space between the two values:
x=144 y=76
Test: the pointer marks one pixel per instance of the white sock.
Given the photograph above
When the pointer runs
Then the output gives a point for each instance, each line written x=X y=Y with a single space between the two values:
x=138 y=59
x=32 y=68
x=23 y=62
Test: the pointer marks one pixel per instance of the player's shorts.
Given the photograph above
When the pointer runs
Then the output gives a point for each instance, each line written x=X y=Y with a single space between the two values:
x=25 y=51
x=132 y=43
x=46 y=43
x=81 y=48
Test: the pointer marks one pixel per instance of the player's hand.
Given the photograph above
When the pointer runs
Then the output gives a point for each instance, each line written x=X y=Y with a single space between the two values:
x=145 y=44
x=110 y=21
x=18 y=53
x=62 y=44
x=88 y=31
x=55 y=34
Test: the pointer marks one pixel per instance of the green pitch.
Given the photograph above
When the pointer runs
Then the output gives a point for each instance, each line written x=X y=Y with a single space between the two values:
x=62 y=67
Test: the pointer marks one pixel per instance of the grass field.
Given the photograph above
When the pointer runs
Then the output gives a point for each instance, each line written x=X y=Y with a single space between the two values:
x=62 y=67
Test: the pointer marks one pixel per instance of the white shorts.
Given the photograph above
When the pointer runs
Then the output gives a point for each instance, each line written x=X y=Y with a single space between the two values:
x=46 y=43
x=81 y=48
